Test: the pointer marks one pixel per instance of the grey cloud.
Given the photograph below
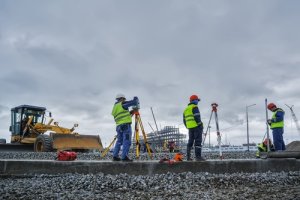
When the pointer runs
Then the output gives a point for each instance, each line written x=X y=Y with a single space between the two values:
x=3 y=109
x=22 y=79
x=75 y=57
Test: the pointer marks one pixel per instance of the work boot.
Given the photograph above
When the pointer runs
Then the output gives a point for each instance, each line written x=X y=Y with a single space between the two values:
x=126 y=159
x=116 y=159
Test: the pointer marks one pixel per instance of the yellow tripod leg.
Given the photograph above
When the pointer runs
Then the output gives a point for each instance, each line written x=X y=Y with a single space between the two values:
x=137 y=137
x=145 y=137
x=107 y=149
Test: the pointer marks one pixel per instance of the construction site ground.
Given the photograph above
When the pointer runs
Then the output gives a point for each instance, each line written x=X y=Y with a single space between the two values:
x=20 y=167
x=238 y=176
x=28 y=175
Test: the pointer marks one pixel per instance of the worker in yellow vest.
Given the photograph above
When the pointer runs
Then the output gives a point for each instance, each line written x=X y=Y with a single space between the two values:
x=277 y=125
x=123 y=120
x=192 y=121
x=263 y=147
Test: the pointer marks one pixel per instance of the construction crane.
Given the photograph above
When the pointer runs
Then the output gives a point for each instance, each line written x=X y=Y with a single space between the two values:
x=294 y=117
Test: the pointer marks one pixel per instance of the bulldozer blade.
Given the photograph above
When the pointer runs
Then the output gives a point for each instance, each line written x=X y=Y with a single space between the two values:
x=16 y=147
x=76 y=142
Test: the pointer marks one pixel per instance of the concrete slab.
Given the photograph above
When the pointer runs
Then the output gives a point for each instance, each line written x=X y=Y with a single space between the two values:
x=281 y=154
x=21 y=167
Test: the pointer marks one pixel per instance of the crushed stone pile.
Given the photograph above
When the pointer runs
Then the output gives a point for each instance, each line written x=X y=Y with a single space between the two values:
x=283 y=185
x=97 y=156
x=293 y=146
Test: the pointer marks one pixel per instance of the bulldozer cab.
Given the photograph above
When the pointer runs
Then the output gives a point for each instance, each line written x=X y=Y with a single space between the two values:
x=20 y=116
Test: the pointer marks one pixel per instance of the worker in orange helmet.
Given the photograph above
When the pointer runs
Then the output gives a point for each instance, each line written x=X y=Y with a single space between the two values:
x=263 y=147
x=277 y=124
x=192 y=121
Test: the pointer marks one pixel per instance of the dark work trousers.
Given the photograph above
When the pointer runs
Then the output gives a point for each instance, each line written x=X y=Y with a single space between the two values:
x=195 y=137
x=123 y=139
x=278 y=139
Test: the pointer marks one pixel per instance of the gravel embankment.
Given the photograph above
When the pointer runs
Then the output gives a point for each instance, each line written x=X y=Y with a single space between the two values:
x=97 y=156
x=284 y=185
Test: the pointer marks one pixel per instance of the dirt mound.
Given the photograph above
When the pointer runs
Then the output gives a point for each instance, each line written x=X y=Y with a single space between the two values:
x=293 y=146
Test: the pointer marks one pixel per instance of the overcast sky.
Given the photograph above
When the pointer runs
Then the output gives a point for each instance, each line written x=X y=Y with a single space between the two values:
x=73 y=57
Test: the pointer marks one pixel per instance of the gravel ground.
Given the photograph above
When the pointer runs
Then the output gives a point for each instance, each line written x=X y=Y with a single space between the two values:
x=284 y=185
x=97 y=156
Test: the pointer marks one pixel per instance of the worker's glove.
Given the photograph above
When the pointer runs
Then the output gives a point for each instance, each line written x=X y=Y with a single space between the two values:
x=200 y=124
x=269 y=121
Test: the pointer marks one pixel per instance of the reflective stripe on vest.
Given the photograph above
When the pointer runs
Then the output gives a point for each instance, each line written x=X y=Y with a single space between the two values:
x=121 y=115
x=277 y=124
x=189 y=116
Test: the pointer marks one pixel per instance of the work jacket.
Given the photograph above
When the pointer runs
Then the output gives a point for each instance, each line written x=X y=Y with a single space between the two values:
x=121 y=115
x=263 y=148
x=189 y=116
x=276 y=121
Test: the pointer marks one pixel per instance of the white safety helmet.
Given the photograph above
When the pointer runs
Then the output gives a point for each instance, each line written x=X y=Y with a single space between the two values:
x=120 y=96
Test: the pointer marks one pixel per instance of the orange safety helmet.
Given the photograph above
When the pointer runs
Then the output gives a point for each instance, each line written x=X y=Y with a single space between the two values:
x=271 y=106
x=194 y=97
x=266 y=142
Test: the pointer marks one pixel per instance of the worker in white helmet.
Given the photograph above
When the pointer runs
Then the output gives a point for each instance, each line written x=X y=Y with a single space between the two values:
x=123 y=120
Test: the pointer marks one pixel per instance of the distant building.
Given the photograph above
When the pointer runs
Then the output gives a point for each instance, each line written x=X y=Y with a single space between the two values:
x=168 y=135
x=231 y=148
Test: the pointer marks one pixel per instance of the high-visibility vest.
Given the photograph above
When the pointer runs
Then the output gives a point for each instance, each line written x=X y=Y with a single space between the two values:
x=121 y=115
x=261 y=148
x=277 y=124
x=189 y=116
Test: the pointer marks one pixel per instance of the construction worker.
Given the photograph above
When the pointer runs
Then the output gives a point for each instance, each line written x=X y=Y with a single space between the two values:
x=123 y=120
x=171 y=146
x=192 y=121
x=263 y=147
x=24 y=122
x=277 y=125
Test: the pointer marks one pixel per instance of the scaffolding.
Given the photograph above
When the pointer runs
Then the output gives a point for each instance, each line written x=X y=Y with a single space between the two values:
x=160 y=139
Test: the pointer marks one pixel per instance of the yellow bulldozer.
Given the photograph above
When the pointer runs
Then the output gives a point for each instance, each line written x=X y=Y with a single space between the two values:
x=28 y=131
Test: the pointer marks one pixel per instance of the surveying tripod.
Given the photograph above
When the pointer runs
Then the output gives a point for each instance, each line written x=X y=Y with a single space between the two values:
x=106 y=150
x=138 y=122
x=214 y=110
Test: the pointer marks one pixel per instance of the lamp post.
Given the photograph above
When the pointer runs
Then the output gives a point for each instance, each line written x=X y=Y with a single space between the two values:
x=248 y=125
